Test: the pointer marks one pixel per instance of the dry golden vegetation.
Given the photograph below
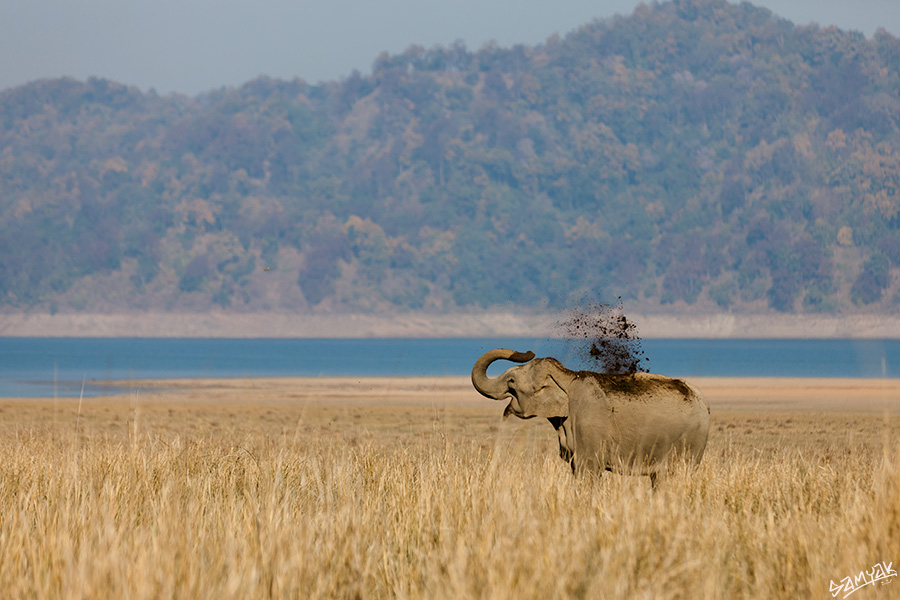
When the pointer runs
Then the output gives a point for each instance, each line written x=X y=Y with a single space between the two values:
x=414 y=488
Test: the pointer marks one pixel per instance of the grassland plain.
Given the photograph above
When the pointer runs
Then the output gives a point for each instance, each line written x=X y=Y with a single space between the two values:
x=414 y=488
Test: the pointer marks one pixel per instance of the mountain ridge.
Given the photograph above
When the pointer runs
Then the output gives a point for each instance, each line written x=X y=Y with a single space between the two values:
x=694 y=156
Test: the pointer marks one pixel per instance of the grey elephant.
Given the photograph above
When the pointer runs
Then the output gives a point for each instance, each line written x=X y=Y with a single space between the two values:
x=635 y=423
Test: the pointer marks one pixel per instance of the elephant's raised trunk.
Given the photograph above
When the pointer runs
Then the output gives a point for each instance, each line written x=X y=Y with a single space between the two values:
x=495 y=387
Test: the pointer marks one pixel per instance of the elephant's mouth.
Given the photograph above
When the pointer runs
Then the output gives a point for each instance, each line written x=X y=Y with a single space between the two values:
x=513 y=408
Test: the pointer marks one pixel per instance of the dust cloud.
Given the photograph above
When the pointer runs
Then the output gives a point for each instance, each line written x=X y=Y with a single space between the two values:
x=604 y=339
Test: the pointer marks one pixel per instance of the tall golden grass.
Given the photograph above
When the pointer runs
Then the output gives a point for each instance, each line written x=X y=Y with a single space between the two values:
x=133 y=509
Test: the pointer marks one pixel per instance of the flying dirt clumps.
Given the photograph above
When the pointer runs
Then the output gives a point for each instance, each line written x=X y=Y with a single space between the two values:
x=605 y=339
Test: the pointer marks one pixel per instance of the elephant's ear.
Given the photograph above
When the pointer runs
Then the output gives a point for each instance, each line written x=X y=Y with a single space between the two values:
x=549 y=399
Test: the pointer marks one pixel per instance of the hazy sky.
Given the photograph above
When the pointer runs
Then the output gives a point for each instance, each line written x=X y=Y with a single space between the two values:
x=192 y=46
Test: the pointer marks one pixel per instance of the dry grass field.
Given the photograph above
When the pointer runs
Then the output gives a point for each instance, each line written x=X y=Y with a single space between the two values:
x=414 y=488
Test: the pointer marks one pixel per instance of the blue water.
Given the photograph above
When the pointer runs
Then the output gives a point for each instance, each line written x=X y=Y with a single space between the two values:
x=30 y=366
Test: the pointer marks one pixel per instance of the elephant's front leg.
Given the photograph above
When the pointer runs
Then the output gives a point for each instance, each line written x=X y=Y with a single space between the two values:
x=566 y=451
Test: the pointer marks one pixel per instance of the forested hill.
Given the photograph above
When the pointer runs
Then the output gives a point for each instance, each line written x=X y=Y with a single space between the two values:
x=693 y=154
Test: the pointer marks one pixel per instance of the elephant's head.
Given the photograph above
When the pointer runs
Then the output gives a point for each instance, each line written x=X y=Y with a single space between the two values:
x=533 y=388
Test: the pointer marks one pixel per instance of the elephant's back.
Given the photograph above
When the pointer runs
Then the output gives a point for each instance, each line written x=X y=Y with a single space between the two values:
x=649 y=397
x=646 y=387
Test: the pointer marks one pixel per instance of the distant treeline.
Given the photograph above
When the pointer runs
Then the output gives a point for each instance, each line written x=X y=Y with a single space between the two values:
x=695 y=152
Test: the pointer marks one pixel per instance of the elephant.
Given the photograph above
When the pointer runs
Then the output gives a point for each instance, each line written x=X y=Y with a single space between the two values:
x=633 y=424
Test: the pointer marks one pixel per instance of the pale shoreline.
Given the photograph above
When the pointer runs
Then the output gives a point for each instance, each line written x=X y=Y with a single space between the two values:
x=728 y=394
x=223 y=324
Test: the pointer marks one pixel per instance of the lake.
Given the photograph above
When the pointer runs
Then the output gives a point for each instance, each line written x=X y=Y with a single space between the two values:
x=30 y=366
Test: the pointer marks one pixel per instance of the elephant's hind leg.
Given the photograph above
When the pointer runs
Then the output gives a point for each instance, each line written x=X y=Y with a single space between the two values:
x=587 y=467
